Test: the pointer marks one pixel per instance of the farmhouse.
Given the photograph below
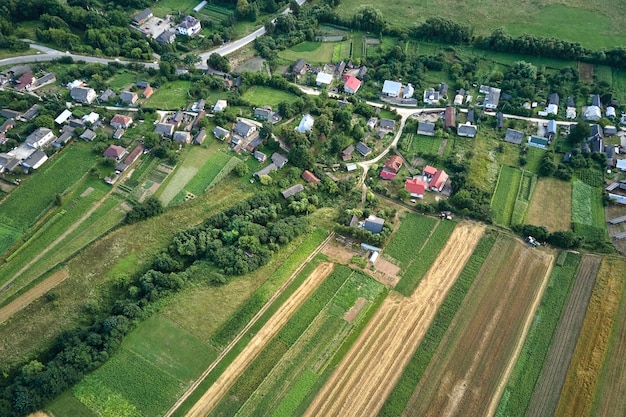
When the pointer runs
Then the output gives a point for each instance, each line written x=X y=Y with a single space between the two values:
x=128 y=97
x=426 y=128
x=121 y=121
x=9 y=114
x=92 y=118
x=351 y=84
x=30 y=113
x=309 y=177
x=199 y=138
x=166 y=37
x=300 y=67
x=391 y=88
x=514 y=136
x=8 y=162
x=35 y=159
x=221 y=133
x=466 y=130
x=244 y=129
x=83 y=95
x=393 y=164
x=553 y=106
x=182 y=137
x=363 y=149
x=220 y=105
x=374 y=224
x=164 y=129
x=142 y=17
x=594 y=111
x=387 y=124
x=323 y=79
x=416 y=187
x=291 y=191
x=190 y=26
x=115 y=152
x=40 y=138
x=346 y=154
x=306 y=124
x=438 y=181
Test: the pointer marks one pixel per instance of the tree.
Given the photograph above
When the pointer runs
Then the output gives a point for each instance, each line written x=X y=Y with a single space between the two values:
x=45 y=121
x=302 y=157
x=191 y=60
x=218 y=62
x=265 y=179
x=294 y=7
x=403 y=194
x=266 y=130
x=579 y=133
x=241 y=170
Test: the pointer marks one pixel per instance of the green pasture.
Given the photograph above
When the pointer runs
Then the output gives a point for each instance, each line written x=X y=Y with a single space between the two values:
x=261 y=96
x=313 y=52
x=504 y=197
x=163 y=7
x=587 y=205
x=122 y=79
x=8 y=236
x=575 y=23
x=170 y=96
x=204 y=177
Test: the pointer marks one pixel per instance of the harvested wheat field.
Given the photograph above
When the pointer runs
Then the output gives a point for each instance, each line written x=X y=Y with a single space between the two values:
x=367 y=374
x=582 y=379
x=470 y=368
x=215 y=393
x=548 y=389
x=551 y=205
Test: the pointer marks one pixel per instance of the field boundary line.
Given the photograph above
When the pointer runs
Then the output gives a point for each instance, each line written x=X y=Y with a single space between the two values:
x=496 y=187
x=243 y=331
x=495 y=400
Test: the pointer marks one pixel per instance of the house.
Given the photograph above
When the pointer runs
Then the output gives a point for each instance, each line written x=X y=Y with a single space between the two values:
x=611 y=159
x=220 y=105
x=74 y=84
x=538 y=142
x=119 y=120
x=416 y=187
x=279 y=160
x=31 y=113
x=391 y=88
x=450 y=117
x=597 y=145
x=147 y=92
x=339 y=69
x=594 y=111
x=107 y=95
x=40 y=138
x=25 y=82
x=438 y=181
x=198 y=106
x=10 y=114
x=62 y=118
x=199 y=138
x=254 y=143
x=306 y=124
x=35 y=159
x=118 y=133
x=88 y=135
x=570 y=112
x=7 y=125
x=291 y=191
x=362 y=72
x=164 y=129
x=92 y=118
x=431 y=96
x=244 y=129
x=371 y=123
x=48 y=78
x=466 y=130
x=63 y=139
x=551 y=128
x=190 y=26
x=259 y=156
x=499 y=120
x=596 y=132
x=426 y=128
x=8 y=162
x=514 y=136
x=374 y=224
x=300 y=67
x=346 y=154
x=323 y=79
x=492 y=97
x=115 y=152
x=610 y=111
x=177 y=118
x=610 y=130
x=129 y=97
x=621 y=164
x=309 y=177
x=77 y=123
x=166 y=37
x=387 y=124
x=221 y=133
x=351 y=84
x=263 y=114
x=83 y=94
x=182 y=137
x=408 y=91
x=142 y=17
x=553 y=106
x=393 y=164
x=458 y=99
x=429 y=171
x=363 y=149
x=351 y=167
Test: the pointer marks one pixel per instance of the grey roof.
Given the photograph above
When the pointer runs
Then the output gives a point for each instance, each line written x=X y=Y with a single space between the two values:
x=107 y=94
x=64 y=138
x=8 y=123
x=597 y=145
x=443 y=89
x=77 y=123
x=142 y=15
x=127 y=96
x=610 y=130
x=514 y=136
x=363 y=149
x=88 y=135
x=292 y=190
x=181 y=136
x=279 y=160
x=492 y=98
x=37 y=135
x=553 y=99
x=49 y=77
x=299 y=65
x=426 y=128
x=164 y=129
x=142 y=84
x=34 y=158
x=596 y=131
x=500 y=120
x=262 y=113
x=595 y=100
x=31 y=113
x=609 y=150
x=570 y=102
x=470 y=115
x=387 y=124
x=80 y=93
x=374 y=224
x=200 y=136
x=119 y=132
x=260 y=156
x=466 y=130
x=243 y=129
x=178 y=116
x=266 y=170
x=167 y=36
x=551 y=126
x=220 y=132
x=8 y=113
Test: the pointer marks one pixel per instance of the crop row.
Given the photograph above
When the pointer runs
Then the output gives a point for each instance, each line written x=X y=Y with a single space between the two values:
x=519 y=389
x=425 y=258
x=399 y=398
x=587 y=205
x=504 y=197
x=526 y=188
x=412 y=233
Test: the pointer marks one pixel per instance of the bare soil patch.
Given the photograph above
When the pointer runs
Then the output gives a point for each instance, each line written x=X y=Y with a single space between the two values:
x=586 y=71
x=215 y=393
x=31 y=295
x=39 y=414
x=469 y=369
x=367 y=374
x=355 y=310
x=551 y=205
x=340 y=252
x=88 y=191
x=548 y=389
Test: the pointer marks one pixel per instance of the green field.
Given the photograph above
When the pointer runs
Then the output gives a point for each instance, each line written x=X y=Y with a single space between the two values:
x=524 y=194
x=313 y=52
x=572 y=22
x=122 y=79
x=399 y=397
x=261 y=96
x=171 y=96
x=204 y=177
x=425 y=145
x=588 y=218
x=503 y=200
x=412 y=233
x=521 y=384
x=157 y=361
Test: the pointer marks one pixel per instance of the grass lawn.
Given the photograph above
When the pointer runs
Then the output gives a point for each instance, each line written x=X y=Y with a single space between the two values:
x=551 y=205
x=204 y=177
x=163 y=7
x=503 y=199
x=573 y=22
x=261 y=96
x=170 y=96
x=122 y=79
x=313 y=52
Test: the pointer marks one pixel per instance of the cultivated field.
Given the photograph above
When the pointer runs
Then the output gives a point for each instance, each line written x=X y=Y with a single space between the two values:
x=583 y=374
x=503 y=199
x=551 y=205
x=365 y=377
x=466 y=374
x=588 y=212
x=261 y=96
x=545 y=397
x=313 y=52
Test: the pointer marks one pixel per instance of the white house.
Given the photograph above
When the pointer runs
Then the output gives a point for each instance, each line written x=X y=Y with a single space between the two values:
x=62 y=118
x=408 y=91
x=220 y=106
x=306 y=124
x=189 y=27
x=323 y=78
x=391 y=88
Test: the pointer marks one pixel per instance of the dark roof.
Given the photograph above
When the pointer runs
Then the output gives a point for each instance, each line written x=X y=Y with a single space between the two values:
x=596 y=145
x=34 y=158
x=500 y=121
x=387 y=124
x=31 y=113
x=262 y=113
x=142 y=15
x=596 y=131
x=88 y=135
x=164 y=129
x=570 y=102
x=107 y=94
x=443 y=89
x=595 y=100
x=470 y=115
x=220 y=132
x=363 y=149
x=299 y=65
x=142 y=84
x=279 y=160
x=80 y=93
x=466 y=130
x=127 y=96
x=553 y=99
x=426 y=128
x=374 y=224
x=514 y=136
x=200 y=136
x=567 y=157
x=292 y=190
x=8 y=113
x=243 y=129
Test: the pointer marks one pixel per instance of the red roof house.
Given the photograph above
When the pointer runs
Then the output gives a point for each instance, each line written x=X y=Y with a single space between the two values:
x=147 y=92
x=430 y=171
x=121 y=121
x=115 y=151
x=351 y=84
x=450 y=117
x=391 y=168
x=25 y=81
x=438 y=181
x=309 y=177
x=416 y=187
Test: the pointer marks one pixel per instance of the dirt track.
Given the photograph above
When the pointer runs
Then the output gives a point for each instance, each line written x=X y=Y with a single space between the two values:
x=31 y=295
x=367 y=374
x=215 y=393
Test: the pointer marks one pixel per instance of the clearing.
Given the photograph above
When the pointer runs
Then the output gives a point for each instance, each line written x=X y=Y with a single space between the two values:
x=551 y=205
x=480 y=346
x=367 y=374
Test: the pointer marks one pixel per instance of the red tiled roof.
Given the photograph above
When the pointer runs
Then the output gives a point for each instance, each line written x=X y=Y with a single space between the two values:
x=121 y=119
x=352 y=82
x=394 y=163
x=309 y=177
x=147 y=92
x=429 y=170
x=439 y=179
x=387 y=174
x=415 y=186
x=114 y=151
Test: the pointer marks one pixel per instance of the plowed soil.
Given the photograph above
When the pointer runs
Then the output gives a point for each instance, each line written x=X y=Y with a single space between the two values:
x=474 y=358
x=369 y=371
x=548 y=389
x=215 y=393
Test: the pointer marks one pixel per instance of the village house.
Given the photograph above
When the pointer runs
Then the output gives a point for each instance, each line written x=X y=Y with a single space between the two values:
x=129 y=97
x=300 y=67
x=244 y=129
x=374 y=224
x=392 y=166
x=278 y=161
x=25 y=82
x=107 y=95
x=372 y=122
x=466 y=130
x=514 y=136
x=538 y=142
x=438 y=181
x=306 y=124
x=121 y=121
x=391 y=88
x=142 y=17
x=115 y=152
x=492 y=96
x=450 y=117
x=199 y=138
x=260 y=156
x=30 y=114
x=41 y=137
x=164 y=129
x=166 y=37
x=291 y=191
x=118 y=133
x=387 y=124
x=416 y=187
x=351 y=84
x=346 y=154
x=147 y=92
x=363 y=149
x=190 y=26
x=594 y=111
x=88 y=135
x=426 y=128
x=263 y=113
x=221 y=133
x=323 y=79
x=182 y=137
x=220 y=105
x=309 y=177
x=35 y=160
x=408 y=91
x=431 y=97
x=83 y=94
